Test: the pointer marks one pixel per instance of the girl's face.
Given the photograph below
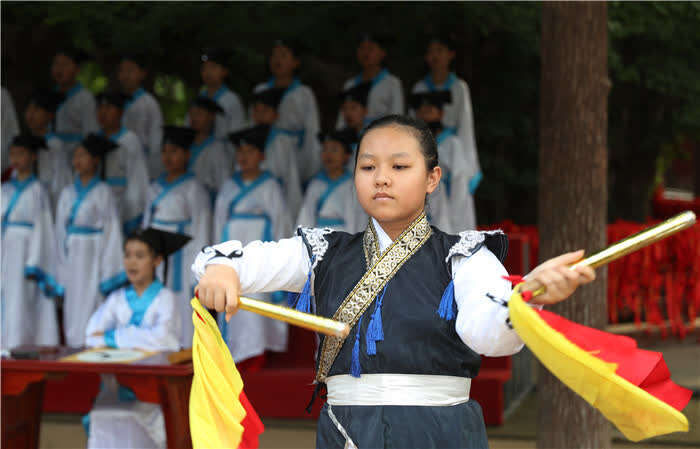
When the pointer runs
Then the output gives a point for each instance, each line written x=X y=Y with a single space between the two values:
x=354 y=114
x=64 y=70
x=264 y=114
x=370 y=54
x=438 y=56
x=249 y=158
x=201 y=120
x=333 y=156
x=22 y=159
x=130 y=75
x=84 y=163
x=213 y=74
x=37 y=118
x=283 y=63
x=391 y=177
x=140 y=262
x=174 y=158
x=109 y=116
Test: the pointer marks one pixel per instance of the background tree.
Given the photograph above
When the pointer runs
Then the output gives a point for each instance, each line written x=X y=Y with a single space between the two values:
x=573 y=191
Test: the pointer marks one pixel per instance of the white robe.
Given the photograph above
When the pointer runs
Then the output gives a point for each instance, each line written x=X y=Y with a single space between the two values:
x=143 y=117
x=458 y=116
x=181 y=206
x=75 y=118
x=281 y=161
x=54 y=171
x=298 y=116
x=332 y=204
x=249 y=211
x=385 y=97
x=458 y=203
x=89 y=239
x=9 y=126
x=151 y=323
x=127 y=175
x=211 y=164
x=29 y=284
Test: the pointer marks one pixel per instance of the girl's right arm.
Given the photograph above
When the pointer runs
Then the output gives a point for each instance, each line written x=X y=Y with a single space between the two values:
x=228 y=269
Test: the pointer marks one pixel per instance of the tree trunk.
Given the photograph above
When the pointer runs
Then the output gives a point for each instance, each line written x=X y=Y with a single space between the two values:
x=573 y=191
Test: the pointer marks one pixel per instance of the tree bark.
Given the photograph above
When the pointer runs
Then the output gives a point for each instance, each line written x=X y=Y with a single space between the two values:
x=572 y=208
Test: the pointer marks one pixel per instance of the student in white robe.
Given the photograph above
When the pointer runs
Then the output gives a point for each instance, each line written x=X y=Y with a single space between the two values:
x=9 y=127
x=126 y=171
x=250 y=206
x=386 y=94
x=280 y=146
x=142 y=114
x=142 y=315
x=89 y=239
x=459 y=204
x=353 y=110
x=177 y=202
x=298 y=110
x=458 y=115
x=54 y=172
x=29 y=283
x=76 y=117
x=330 y=200
x=209 y=160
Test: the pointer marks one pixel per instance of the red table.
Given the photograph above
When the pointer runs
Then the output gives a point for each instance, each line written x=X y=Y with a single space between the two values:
x=153 y=379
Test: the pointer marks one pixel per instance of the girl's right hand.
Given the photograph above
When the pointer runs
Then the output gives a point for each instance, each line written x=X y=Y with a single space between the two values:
x=219 y=289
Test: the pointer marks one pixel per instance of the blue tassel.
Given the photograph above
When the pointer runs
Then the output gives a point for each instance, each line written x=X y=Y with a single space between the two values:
x=446 y=309
x=303 y=300
x=292 y=298
x=355 y=369
x=375 y=332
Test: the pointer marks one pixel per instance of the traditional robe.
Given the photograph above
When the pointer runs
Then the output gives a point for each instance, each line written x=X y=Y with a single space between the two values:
x=298 y=117
x=210 y=163
x=250 y=211
x=127 y=320
x=54 y=171
x=143 y=117
x=332 y=203
x=181 y=206
x=89 y=239
x=281 y=161
x=9 y=126
x=385 y=96
x=405 y=293
x=29 y=283
x=76 y=117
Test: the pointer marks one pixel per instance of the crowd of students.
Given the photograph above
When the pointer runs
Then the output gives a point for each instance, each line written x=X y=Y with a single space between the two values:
x=89 y=171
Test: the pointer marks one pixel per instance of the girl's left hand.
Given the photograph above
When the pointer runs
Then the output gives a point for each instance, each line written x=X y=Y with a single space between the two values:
x=559 y=280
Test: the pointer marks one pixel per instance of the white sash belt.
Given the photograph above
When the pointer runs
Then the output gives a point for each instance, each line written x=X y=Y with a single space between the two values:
x=398 y=389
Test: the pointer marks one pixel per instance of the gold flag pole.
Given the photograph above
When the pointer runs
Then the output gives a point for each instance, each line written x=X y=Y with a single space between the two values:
x=306 y=320
x=623 y=247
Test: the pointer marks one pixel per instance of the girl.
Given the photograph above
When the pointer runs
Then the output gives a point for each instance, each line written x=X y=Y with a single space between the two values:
x=89 y=238
x=214 y=72
x=177 y=202
x=251 y=207
x=297 y=110
x=386 y=94
x=28 y=279
x=458 y=115
x=422 y=304
x=330 y=200
x=144 y=316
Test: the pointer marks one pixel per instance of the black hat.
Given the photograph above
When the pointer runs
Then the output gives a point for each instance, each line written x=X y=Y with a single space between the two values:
x=180 y=136
x=30 y=142
x=139 y=59
x=294 y=45
x=97 y=145
x=271 y=97
x=207 y=103
x=359 y=93
x=47 y=99
x=78 y=56
x=347 y=137
x=163 y=243
x=116 y=99
x=446 y=39
x=215 y=55
x=255 y=136
x=434 y=98
x=378 y=38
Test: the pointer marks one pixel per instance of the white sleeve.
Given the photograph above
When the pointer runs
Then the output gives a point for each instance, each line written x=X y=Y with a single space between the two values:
x=161 y=336
x=102 y=320
x=482 y=321
x=397 y=98
x=89 y=115
x=261 y=267
x=236 y=114
x=155 y=131
x=137 y=184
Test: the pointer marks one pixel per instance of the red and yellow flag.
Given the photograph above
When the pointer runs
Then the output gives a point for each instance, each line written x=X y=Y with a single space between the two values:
x=220 y=414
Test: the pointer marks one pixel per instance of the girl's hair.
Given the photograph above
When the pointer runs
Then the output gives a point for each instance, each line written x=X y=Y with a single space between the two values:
x=416 y=128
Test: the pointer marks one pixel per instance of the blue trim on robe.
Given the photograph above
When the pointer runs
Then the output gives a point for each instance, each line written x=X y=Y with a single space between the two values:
x=447 y=85
x=132 y=224
x=217 y=95
x=331 y=186
x=140 y=304
x=47 y=283
x=196 y=149
x=82 y=192
x=374 y=81
x=20 y=187
x=110 y=340
x=109 y=285
x=167 y=188
x=138 y=94
x=69 y=94
x=299 y=134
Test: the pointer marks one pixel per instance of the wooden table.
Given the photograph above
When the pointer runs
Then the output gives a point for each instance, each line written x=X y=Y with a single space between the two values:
x=153 y=379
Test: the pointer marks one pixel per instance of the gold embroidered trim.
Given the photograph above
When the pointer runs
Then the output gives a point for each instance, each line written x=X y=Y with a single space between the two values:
x=380 y=271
